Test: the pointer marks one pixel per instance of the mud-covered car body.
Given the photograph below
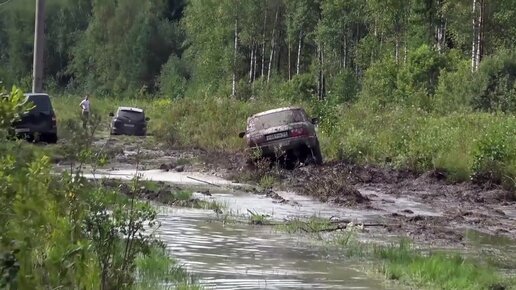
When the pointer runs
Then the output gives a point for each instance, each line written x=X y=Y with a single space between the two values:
x=283 y=132
x=39 y=122
x=129 y=121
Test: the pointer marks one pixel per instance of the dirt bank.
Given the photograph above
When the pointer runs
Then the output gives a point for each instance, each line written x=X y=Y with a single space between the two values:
x=424 y=207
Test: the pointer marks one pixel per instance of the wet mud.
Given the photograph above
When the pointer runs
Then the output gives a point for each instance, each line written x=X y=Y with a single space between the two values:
x=424 y=207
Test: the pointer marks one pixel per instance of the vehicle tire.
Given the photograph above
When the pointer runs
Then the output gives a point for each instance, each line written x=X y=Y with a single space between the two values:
x=290 y=163
x=317 y=155
x=51 y=138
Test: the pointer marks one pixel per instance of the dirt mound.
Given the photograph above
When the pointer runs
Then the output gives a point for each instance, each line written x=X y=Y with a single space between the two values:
x=160 y=191
x=350 y=196
x=335 y=187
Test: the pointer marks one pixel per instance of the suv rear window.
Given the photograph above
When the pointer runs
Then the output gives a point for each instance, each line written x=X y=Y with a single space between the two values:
x=132 y=115
x=277 y=119
x=41 y=103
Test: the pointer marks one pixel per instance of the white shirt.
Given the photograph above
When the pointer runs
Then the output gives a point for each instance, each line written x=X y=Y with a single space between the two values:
x=85 y=105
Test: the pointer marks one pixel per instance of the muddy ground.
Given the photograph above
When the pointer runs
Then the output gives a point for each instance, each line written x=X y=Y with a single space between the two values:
x=435 y=212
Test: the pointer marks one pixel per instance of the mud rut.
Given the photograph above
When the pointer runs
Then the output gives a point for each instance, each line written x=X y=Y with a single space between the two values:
x=423 y=207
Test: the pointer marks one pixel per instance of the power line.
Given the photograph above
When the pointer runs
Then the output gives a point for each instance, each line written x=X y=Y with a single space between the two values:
x=5 y=3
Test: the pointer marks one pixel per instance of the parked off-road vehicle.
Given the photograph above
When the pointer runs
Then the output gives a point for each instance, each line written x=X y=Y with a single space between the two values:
x=129 y=121
x=286 y=134
x=39 y=122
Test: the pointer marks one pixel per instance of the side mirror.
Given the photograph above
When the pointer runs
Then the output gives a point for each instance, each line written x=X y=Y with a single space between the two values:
x=315 y=120
x=111 y=114
x=241 y=134
x=147 y=119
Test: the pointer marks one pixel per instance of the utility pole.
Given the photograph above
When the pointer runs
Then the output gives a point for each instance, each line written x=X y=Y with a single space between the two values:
x=39 y=45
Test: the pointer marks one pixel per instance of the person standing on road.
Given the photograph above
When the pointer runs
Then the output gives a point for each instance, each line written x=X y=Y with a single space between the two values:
x=85 y=114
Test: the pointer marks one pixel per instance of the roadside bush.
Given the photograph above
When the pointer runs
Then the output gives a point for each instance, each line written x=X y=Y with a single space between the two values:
x=62 y=231
x=417 y=80
x=495 y=81
x=455 y=89
x=416 y=140
x=380 y=84
x=343 y=88
x=494 y=155
x=301 y=87
x=174 y=78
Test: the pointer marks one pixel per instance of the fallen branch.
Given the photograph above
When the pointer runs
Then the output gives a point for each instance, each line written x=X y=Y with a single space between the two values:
x=203 y=181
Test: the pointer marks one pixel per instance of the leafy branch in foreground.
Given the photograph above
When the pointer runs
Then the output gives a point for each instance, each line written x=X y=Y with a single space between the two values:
x=63 y=231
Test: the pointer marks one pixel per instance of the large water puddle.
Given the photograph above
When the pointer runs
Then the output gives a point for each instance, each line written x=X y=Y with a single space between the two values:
x=238 y=256
x=241 y=256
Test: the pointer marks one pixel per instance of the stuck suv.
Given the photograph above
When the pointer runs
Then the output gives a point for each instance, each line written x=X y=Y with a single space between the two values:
x=286 y=133
x=129 y=121
x=39 y=123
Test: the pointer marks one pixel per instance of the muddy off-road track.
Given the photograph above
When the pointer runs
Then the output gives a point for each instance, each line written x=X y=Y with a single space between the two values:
x=424 y=207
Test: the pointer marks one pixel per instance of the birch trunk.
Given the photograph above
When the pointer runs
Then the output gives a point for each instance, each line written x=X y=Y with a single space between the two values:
x=441 y=28
x=320 y=85
x=251 y=69
x=480 y=37
x=254 y=63
x=273 y=45
x=233 y=90
x=263 y=43
x=300 y=43
x=289 y=55
x=474 y=48
x=345 y=52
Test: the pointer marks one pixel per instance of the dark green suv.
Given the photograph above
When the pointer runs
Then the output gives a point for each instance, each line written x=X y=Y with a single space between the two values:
x=39 y=123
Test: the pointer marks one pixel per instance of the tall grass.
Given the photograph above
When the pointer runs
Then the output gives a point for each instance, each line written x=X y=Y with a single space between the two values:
x=405 y=264
x=413 y=139
x=402 y=262
x=157 y=271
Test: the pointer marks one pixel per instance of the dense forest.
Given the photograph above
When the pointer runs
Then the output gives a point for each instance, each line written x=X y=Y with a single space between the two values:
x=414 y=84
x=434 y=54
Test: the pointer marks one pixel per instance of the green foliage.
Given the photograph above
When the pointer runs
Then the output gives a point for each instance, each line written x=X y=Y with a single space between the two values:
x=124 y=46
x=11 y=106
x=380 y=84
x=174 y=77
x=61 y=231
x=301 y=87
x=404 y=263
x=257 y=218
x=455 y=89
x=314 y=224
x=418 y=78
x=157 y=269
x=494 y=155
x=495 y=88
x=343 y=88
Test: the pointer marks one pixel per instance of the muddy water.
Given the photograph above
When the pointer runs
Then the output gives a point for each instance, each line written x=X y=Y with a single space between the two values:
x=237 y=256
x=240 y=256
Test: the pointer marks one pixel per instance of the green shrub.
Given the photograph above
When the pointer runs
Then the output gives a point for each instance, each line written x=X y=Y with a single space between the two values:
x=380 y=84
x=455 y=89
x=174 y=78
x=61 y=231
x=343 y=88
x=496 y=84
x=494 y=154
x=301 y=87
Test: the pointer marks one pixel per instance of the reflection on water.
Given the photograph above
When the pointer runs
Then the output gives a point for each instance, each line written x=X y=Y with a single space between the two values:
x=236 y=256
